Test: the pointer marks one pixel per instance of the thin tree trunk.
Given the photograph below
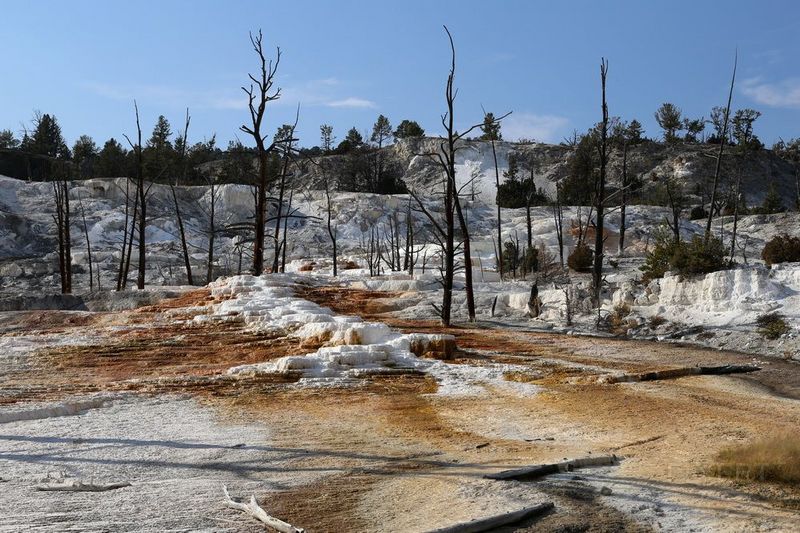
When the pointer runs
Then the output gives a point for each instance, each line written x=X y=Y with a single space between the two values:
x=212 y=230
x=735 y=216
x=558 y=220
x=140 y=194
x=467 y=256
x=184 y=247
x=285 y=232
x=498 y=256
x=124 y=235
x=67 y=237
x=719 y=153
x=88 y=245
x=624 y=202
x=601 y=190
x=331 y=229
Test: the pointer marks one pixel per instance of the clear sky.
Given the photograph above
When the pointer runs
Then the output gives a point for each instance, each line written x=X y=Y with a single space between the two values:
x=346 y=61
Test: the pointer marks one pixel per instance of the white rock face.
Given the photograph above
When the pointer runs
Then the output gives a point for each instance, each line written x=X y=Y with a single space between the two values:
x=726 y=298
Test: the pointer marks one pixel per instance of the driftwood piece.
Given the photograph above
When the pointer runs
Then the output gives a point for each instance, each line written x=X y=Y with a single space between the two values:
x=253 y=509
x=682 y=372
x=79 y=486
x=537 y=471
x=493 y=522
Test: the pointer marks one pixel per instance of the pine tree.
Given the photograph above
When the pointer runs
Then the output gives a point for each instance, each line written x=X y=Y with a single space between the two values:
x=112 y=160
x=84 y=152
x=354 y=137
x=772 y=201
x=326 y=137
x=490 y=128
x=46 y=138
x=408 y=129
x=694 y=128
x=742 y=123
x=160 y=154
x=634 y=132
x=669 y=119
x=7 y=140
x=381 y=130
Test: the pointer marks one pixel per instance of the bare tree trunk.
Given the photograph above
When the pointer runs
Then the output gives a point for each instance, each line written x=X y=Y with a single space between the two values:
x=258 y=96
x=597 y=273
x=331 y=228
x=286 y=231
x=558 y=221
x=58 y=217
x=528 y=220
x=735 y=217
x=67 y=237
x=624 y=201
x=499 y=253
x=177 y=207
x=88 y=245
x=140 y=194
x=719 y=153
x=212 y=231
x=467 y=256
x=130 y=241
x=124 y=235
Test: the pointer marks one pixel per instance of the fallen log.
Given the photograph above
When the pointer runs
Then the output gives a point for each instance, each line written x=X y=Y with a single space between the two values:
x=253 y=509
x=537 y=471
x=493 y=522
x=681 y=372
x=79 y=486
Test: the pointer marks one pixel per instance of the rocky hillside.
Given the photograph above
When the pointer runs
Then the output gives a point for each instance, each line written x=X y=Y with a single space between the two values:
x=652 y=163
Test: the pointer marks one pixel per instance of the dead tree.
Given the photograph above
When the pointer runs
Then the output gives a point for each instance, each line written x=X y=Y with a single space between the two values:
x=331 y=227
x=558 y=221
x=408 y=257
x=623 y=197
x=719 y=153
x=446 y=157
x=88 y=248
x=259 y=94
x=736 y=202
x=675 y=198
x=212 y=226
x=184 y=163
x=597 y=271
x=140 y=195
x=134 y=223
x=62 y=219
x=287 y=158
x=124 y=235
x=499 y=252
x=286 y=232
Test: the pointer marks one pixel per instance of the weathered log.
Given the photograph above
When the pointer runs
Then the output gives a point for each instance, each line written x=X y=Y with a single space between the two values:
x=493 y=522
x=79 y=486
x=682 y=372
x=253 y=509
x=537 y=471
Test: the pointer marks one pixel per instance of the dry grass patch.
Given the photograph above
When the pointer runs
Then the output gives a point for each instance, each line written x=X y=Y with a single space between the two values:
x=775 y=458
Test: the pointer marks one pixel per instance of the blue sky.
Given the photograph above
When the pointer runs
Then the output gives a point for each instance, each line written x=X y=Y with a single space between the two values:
x=347 y=61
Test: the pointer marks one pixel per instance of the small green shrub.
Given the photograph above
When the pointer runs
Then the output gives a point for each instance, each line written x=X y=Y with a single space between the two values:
x=530 y=260
x=684 y=258
x=781 y=249
x=581 y=258
x=699 y=257
x=772 y=325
